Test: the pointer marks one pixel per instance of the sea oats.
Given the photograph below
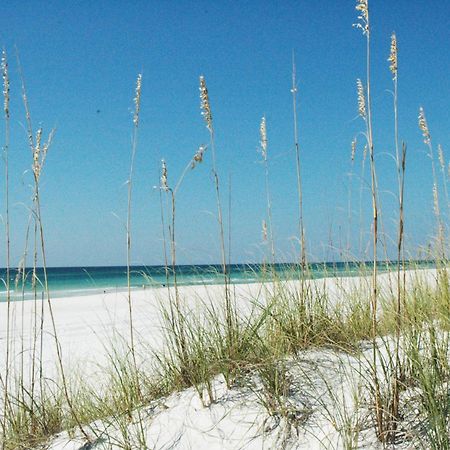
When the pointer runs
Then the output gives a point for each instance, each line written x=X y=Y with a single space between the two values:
x=198 y=157
x=436 y=200
x=361 y=99
x=164 y=184
x=353 y=149
x=20 y=272
x=37 y=154
x=393 y=57
x=364 y=152
x=441 y=157
x=204 y=103
x=137 y=100
x=263 y=135
x=362 y=6
x=45 y=148
x=424 y=126
x=264 y=230
x=5 y=84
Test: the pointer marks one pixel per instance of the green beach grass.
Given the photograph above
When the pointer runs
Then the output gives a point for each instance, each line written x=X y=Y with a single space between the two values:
x=368 y=355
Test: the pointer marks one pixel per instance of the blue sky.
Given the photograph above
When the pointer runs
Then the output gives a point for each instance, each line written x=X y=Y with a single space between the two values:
x=80 y=61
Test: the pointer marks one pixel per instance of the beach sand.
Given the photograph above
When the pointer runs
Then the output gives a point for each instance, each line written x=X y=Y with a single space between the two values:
x=89 y=326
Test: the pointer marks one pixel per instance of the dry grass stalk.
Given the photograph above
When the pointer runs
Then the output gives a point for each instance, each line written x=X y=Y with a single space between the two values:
x=349 y=205
x=294 y=91
x=205 y=107
x=401 y=166
x=137 y=107
x=263 y=143
x=365 y=111
x=444 y=175
x=423 y=126
x=6 y=88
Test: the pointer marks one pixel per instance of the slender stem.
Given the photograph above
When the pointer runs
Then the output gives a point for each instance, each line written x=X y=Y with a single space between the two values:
x=7 y=230
x=361 y=217
x=437 y=209
x=269 y=212
x=178 y=319
x=378 y=406
x=163 y=226
x=298 y=167
x=130 y=306
x=401 y=179
x=137 y=99
x=228 y=308
x=349 y=206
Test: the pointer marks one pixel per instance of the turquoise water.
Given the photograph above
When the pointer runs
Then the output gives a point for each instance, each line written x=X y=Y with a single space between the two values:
x=70 y=281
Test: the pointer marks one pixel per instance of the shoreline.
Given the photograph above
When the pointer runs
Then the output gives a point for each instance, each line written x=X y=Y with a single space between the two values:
x=92 y=328
x=86 y=322
x=244 y=278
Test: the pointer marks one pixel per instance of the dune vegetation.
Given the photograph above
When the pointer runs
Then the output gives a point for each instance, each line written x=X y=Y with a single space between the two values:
x=337 y=362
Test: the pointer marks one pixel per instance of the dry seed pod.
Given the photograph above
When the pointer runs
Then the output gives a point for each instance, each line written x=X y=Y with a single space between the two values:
x=263 y=135
x=424 y=126
x=137 y=100
x=5 y=84
x=361 y=99
x=393 y=57
x=441 y=157
x=362 y=6
x=353 y=149
x=164 y=184
x=204 y=103
x=198 y=157
x=435 y=200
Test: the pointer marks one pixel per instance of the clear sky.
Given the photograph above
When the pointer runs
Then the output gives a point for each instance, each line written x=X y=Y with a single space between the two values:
x=80 y=61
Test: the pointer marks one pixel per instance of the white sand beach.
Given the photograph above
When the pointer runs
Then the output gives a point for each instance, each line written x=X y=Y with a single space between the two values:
x=90 y=326
x=86 y=324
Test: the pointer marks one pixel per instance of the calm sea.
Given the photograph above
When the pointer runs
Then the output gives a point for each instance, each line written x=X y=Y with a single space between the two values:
x=70 y=281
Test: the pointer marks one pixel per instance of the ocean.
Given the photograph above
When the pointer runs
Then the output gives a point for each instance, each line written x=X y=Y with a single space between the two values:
x=71 y=281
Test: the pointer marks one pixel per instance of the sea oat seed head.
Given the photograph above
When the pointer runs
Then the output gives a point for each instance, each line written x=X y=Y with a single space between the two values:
x=441 y=157
x=137 y=100
x=393 y=57
x=20 y=271
x=204 y=103
x=353 y=149
x=198 y=157
x=264 y=230
x=164 y=185
x=361 y=99
x=424 y=126
x=435 y=200
x=362 y=6
x=263 y=135
x=37 y=154
x=365 y=152
x=5 y=84
x=5 y=76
